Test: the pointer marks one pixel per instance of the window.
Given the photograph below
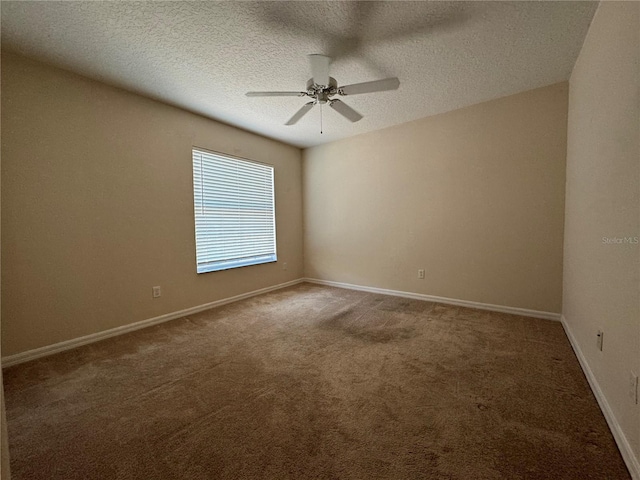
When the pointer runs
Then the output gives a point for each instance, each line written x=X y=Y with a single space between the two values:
x=234 y=212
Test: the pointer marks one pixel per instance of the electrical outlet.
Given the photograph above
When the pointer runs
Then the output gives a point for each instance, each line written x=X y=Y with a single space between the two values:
x=633 y=387
x=600 y=339
x=284 y=266
x=156 y=292
x=421 y=273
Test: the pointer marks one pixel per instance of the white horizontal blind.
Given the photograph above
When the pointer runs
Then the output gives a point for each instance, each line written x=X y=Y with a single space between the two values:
x=234 y=212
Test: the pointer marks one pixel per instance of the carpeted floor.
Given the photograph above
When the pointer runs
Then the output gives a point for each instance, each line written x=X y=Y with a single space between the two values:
x=314 y=382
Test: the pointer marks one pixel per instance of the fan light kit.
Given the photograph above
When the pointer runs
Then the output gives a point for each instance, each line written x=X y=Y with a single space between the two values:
x=321 y=87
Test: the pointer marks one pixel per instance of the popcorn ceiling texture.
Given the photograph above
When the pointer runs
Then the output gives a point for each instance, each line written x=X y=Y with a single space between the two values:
x=203 y=56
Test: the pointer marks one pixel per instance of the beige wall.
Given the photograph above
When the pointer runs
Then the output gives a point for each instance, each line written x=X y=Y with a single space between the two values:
x=97 y=207
x=474 y=196
x=5 y=472
x=602 y=281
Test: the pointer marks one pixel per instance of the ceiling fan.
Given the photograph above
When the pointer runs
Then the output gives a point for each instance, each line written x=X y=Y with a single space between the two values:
x=321 y=87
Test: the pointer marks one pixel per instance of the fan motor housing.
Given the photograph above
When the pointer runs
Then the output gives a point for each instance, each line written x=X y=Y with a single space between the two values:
x=322 y=92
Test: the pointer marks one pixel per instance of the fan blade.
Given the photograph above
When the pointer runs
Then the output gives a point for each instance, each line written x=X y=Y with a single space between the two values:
x=275 y=94
x=300 y=113
x=369 y=87
x=320 y=69
x=345 y=110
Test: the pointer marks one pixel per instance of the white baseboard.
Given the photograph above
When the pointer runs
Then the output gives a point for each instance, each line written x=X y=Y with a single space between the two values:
x=449 y=301
x=633 y=464
x=112 y=332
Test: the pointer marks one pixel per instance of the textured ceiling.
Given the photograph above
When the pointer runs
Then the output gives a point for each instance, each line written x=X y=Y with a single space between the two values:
x=203 y=56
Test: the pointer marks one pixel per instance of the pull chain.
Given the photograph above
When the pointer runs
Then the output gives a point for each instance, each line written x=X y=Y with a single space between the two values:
x=320 y=119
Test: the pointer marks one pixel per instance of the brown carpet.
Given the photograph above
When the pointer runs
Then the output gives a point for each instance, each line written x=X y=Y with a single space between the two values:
x=314 y=383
